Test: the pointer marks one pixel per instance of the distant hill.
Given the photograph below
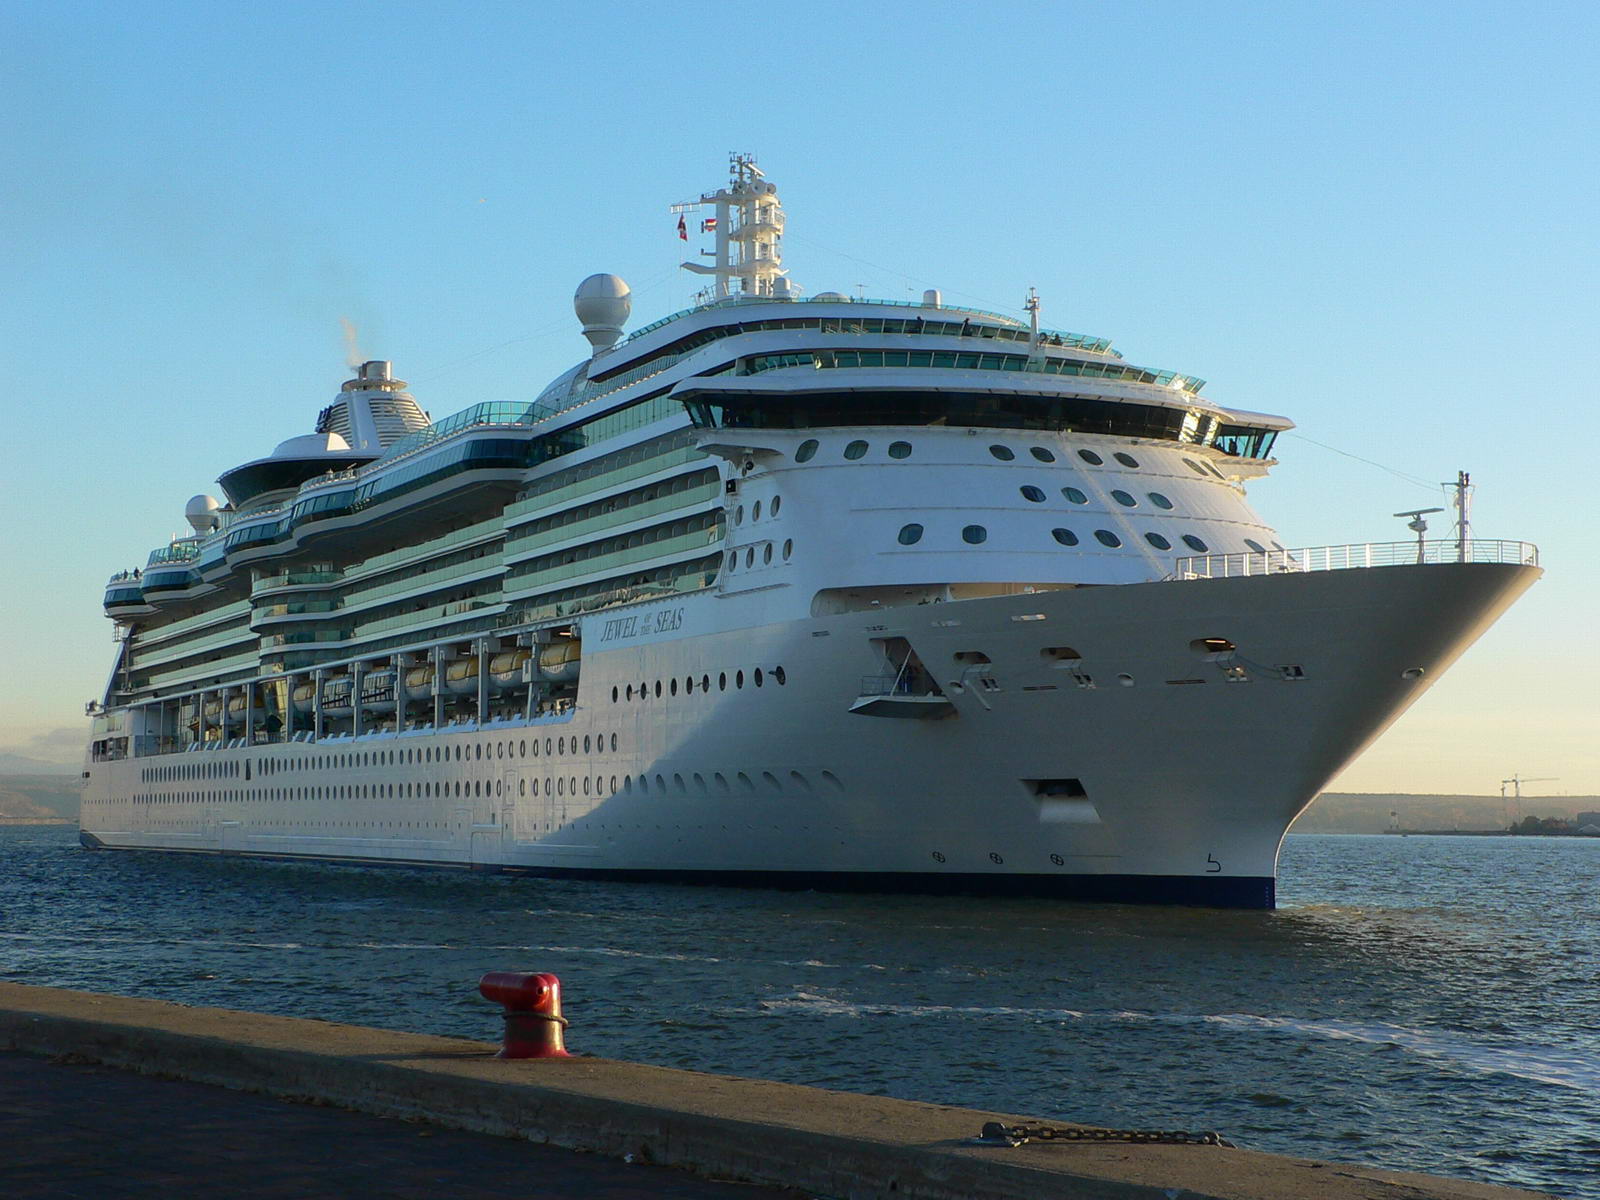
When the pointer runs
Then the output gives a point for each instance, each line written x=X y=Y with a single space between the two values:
x=1368 y=812
x=39 y=797
x=21 y=764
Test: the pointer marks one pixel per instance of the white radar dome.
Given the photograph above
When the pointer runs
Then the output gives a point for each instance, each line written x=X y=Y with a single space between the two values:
x=839 y=296
x=603 y=303
x=201 y=513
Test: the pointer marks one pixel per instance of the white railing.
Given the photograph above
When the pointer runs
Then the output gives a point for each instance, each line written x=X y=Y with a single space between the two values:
x=1366 y=554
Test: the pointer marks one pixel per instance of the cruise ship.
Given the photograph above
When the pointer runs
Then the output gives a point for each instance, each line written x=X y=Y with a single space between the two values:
x=780 y=591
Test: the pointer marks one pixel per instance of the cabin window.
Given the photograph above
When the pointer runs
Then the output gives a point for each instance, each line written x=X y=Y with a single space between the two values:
x=855 y=449
x=1036 y=494
x=1159 y=500
x=1159 y=542
x=899 y=449
x=1003 y=453
x=1126 y=460
x=1123 y=498
x=974 y=535
x=806 y=451
x=1065 y=536
x=1255 y=545
x=1090 y=457
x=1106 y=538
x=1074 y=495
x=1194 y=466
x=1195 y=543
x=1041 y=454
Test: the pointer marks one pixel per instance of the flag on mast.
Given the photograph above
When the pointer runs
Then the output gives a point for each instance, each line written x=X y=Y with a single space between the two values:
x=709 y=225
x=683 y=229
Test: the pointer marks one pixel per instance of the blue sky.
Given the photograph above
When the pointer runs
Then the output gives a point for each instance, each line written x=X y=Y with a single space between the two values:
x=1378 y=220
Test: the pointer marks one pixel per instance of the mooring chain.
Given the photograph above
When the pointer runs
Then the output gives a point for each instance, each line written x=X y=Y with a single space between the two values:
x=997 y=1134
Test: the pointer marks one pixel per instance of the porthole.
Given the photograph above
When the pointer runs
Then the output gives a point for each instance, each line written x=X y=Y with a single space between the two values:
x=561 y=745
x=1074 y=495
x=911 y=534
x=974 y=534
x=1065 y=536
x=755 y=511
x=756 y=677
x=613 y=741
x=586 y=743
x=1159 y=542
x=722 y=681
x=1106 y=538
x=738 y=515
x=1126 y=460
x=899 y=449
x=750 y=557
x=1159 y=500
x=855 y=449
x=613 y=695
x=705 y=686
x=1123 y=498
x=1216 y=472
x=1195 y=543
x=738 y=679
x=1029 y=492
x=777 y=501
x=1194 y=466
x=1003 y=453
x=733 y=561
x=1090 y=457
x=788 y=548
x=766 y=553
x=1041 y=454
x=688 y=685
x=658 y=689
x=673 y=689
x=777 y=674
x=1255 y=545
x=806 y=450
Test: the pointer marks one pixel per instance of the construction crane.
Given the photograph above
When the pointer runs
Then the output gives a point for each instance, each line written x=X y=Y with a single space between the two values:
x=1516 y=782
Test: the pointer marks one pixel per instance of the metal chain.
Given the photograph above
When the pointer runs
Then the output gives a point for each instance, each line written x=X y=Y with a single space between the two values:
x=997 y=1134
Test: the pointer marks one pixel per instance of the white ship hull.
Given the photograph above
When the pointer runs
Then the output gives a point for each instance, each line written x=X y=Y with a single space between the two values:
x=1144 y=770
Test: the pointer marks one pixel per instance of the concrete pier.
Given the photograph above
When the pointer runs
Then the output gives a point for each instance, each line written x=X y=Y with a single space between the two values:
x=830 y=1144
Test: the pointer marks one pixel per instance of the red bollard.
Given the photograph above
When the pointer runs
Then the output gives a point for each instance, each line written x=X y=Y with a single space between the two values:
x=533 y=1013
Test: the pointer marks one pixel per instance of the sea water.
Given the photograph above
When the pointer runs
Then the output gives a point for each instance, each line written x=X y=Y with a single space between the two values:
x=1423 y=1003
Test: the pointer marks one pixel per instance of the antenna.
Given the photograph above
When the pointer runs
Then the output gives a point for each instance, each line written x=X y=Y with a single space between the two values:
x=1031 y=304
x=1419 y=527
x=1463 y=505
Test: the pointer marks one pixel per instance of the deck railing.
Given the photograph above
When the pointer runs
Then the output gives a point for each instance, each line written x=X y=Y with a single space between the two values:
x=1365 y=554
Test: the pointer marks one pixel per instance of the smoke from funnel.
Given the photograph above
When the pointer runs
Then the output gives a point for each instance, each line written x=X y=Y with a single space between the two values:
x=353 y=357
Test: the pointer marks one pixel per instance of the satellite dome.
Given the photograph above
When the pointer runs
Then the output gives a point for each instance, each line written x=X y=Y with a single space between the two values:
x=308 y=444
x=201 y=513
x=602 y=303
x=838 y=296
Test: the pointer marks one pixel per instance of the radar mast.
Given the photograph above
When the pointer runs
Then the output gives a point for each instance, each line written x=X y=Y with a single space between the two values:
x=747 y=221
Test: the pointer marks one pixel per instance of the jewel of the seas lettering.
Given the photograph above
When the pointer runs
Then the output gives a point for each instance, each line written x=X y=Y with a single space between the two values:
x=620 y=629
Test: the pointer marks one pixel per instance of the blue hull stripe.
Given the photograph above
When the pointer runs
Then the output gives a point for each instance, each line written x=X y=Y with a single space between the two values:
x=1194 y=890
